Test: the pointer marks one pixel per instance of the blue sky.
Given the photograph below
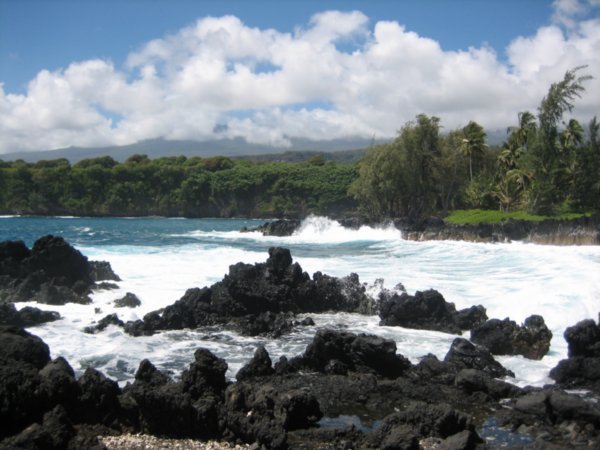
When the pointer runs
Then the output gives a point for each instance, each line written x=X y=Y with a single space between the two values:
x=67 y=66
x=43 y=34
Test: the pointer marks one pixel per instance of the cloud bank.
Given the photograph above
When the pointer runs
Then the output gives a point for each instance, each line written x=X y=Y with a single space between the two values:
x=338 y=76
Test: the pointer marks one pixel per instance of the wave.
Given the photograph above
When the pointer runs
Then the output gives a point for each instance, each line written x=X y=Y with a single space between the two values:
x=320 y=229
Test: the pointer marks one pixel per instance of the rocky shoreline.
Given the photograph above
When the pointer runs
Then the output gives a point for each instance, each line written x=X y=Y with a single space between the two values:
x=345 y=390
x=583 y=231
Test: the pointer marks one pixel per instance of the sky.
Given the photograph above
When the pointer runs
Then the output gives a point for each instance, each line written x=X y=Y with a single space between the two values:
x=92 y=73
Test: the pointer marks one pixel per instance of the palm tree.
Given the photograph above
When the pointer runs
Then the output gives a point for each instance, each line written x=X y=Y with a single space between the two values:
x=473 y=143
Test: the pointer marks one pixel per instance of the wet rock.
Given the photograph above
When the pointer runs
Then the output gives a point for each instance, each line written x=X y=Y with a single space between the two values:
x=464 y=355
x=583 y=338
x=98 y=398
x=582 y=368
x=58 y=384
x=20 y=403
x=262 y=413
x=578 y=371
x=473 y=380
x=259 y=299
x=52 y=272
x=359 y=353
x=472 y=317
x=505 y=337
x=281 y=227
x=420 y=420
x=128 y=301
x=206 y=373
x=25 y=317
x=427 y=310
x=57 y=259
x=19 y=345
x=110 y=319
x=102 y=271
x=259 y=365
x=162 y=406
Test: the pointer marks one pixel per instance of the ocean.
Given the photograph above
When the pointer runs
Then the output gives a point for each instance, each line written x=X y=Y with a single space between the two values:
x=158 y=259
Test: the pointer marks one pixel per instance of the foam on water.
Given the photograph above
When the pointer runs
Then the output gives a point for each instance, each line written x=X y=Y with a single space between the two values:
x=166 y=257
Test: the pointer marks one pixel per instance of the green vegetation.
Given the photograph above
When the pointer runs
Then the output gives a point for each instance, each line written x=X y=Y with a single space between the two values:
x=545 y=167
x=176 y=186
x=477 y=216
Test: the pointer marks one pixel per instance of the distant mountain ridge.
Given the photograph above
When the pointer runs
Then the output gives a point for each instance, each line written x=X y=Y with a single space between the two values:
x=156 y=148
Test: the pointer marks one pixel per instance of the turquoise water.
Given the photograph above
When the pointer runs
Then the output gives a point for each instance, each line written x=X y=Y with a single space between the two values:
x=159 y=258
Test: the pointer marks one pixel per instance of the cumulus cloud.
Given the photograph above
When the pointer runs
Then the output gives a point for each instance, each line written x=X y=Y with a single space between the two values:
x=338 y=76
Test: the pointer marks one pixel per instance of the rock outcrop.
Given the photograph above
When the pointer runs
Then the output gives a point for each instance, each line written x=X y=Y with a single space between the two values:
x=259 y=298
x=51 y=272
x=582 y=368
x=428 y=310
x=505 y=337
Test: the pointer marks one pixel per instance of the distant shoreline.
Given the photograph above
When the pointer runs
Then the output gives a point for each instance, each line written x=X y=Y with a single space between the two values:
x=580 y=231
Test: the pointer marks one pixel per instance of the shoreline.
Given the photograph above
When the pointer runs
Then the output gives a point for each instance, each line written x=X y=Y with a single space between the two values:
x=580 y=231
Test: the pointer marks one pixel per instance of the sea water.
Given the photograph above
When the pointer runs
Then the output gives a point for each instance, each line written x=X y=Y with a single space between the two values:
x=158 y=259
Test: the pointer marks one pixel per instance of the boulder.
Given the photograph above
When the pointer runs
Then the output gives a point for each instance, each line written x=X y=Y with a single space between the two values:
x=427 y=310
x=52 y=272
x=582 y=368
x=102 y=271
x=18 y=345
x=360 y=353
x=25 y=317
x=419 y=420
x=110 y=319
x=464 y=355
x=583 y=338
x=129 y=300
x=259 y=365
x=98 y=401
x=281 y=227
x=505 y=337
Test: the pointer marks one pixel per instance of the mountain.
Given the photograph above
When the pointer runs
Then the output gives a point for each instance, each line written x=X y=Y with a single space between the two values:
x=156 y=148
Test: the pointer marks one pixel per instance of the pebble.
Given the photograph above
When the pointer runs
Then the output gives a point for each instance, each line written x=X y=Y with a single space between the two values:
x=147 y=442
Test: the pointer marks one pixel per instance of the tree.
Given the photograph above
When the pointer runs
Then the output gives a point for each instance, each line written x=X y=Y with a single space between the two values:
x=397 y=179
x=546 y=160
x=473 y=143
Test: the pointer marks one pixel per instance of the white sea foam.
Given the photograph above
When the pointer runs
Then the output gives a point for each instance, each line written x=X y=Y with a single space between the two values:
x=510 y=280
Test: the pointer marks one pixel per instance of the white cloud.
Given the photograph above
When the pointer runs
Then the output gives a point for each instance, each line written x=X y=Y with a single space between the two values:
x=339 y=76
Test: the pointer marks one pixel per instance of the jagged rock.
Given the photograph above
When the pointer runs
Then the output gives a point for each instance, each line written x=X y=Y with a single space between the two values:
x=206 y=373
x=360 y=353
x=19 y=345
x=110 y=319
x=427 y=310
x=505 y=337
x=129 y=300
x=52 y=272
x=473 y=380
x=102 y=271
x=582 y=368
x=25 y=317
x=258 y=299
x=259 y=365
x=281 y=227
x=583 y=338
x=98 y=398
x=464 y=355
x=58 y=383
x=404 y=429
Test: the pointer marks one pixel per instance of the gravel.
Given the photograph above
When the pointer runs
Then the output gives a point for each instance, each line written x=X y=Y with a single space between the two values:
x=146 y=442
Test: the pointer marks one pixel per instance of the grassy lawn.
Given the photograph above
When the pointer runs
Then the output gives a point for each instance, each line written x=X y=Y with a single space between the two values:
x=476 y=216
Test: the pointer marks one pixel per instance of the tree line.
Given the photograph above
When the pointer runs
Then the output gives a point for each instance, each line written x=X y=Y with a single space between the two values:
x=545 y=166
x=176 y=186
